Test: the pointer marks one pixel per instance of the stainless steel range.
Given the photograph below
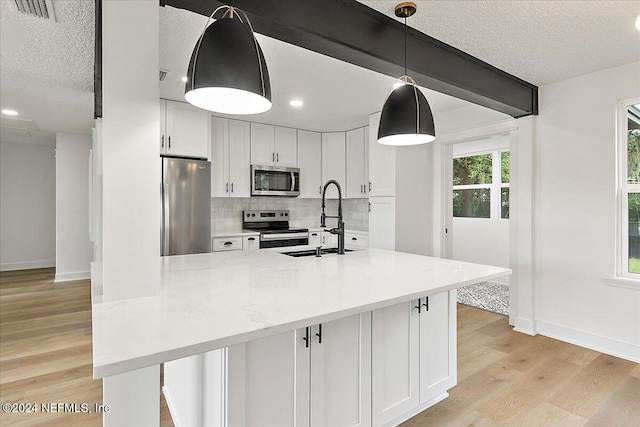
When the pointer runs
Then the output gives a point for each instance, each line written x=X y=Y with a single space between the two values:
x=274 y=229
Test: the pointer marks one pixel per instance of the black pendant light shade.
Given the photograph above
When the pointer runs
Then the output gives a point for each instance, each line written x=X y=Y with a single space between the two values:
x=227 y=72
x=406 y=118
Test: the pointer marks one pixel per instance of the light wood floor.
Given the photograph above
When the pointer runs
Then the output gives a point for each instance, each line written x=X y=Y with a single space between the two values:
x=504 y=378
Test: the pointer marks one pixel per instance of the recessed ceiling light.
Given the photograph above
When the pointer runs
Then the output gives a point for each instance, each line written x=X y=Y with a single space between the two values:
x=184 y=79
x=638 y=23
x=10 y=112
x=296 y=103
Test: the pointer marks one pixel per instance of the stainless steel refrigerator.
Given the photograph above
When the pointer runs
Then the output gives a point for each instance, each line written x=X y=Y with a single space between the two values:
x=186 y=206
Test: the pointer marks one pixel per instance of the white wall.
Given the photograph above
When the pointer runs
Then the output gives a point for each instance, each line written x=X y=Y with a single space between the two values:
x=73 y=248
x=575 y=214
x=27 y=206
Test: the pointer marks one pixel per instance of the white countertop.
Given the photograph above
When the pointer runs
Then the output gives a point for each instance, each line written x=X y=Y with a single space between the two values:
x=210 y=301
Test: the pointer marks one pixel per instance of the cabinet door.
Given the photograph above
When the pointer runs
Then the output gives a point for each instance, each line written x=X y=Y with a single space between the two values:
x=355 y=186
x=219 y=157
x=315 y=238
x=382 y=223
x=187 y=130
x=163 y=126
x=239 y=167
x=395 y=382
x=366 y=161
x=286 y=147
x=382 y=163
x=250 y=243
x=310 y=163
x=263 y=150
x=333 y=161
x=341 y=372
x=438 y=356
x=262 y=381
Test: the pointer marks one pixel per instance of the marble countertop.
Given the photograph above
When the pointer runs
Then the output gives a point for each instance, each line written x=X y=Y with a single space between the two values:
x=209 y=301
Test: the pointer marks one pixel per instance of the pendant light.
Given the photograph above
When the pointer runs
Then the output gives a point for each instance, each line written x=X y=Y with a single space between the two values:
x=406 y=117
x=227 y=72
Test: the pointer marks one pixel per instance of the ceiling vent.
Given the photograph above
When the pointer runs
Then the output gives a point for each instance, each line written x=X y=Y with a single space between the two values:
x=163 y=74
x=39 y=8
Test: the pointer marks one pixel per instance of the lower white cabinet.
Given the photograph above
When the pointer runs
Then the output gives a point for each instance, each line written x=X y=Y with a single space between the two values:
x=315 y=237
x=220 y=244
x=356 y=239
x=382 y=223
x=414 y=356
x=317 y=376
x=250 y=243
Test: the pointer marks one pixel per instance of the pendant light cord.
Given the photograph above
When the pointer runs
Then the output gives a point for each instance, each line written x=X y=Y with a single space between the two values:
x=405 y=45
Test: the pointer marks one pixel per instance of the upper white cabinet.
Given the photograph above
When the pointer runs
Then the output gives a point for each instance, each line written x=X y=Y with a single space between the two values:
x=184 y=130
x=382 y=163
x=310 y=163
x=230 y=167
x=357 y=144
x=333 y=161
x=273 y=145
x=382 y=223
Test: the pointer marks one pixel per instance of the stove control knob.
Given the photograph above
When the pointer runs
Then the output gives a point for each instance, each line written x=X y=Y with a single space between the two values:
x=281 y=214
x=248 y=215
x=253 y=214
x=286 y=214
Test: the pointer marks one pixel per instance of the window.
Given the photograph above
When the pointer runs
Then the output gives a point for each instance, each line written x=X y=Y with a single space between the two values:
x=481 y=185
x=629 y=189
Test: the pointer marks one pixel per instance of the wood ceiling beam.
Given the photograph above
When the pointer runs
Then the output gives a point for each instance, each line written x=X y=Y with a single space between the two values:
x=354 y=33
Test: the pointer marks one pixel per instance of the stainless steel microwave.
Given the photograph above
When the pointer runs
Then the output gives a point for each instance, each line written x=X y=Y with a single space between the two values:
x=275 y=181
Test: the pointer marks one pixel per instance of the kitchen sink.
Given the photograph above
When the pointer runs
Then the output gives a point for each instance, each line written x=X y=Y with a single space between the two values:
x=312 y=252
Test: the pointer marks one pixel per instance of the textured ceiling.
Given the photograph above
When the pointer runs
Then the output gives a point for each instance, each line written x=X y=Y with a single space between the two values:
x=46 y=69
x=337 y=95
x=539 y=41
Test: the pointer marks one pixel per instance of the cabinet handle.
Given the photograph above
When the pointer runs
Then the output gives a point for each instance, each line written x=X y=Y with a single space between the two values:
x=232 y=187
x=353 y=238
x=319 y=334
x=169 y=143
x=226 y=188
x=369 y=186
x=369 y=206
x=251 y=239
x=273 y=157
x=277 y=157
x=306 y=338
x=426 y=303
x=162 y=143
x=314 y=234
x=228 y=243
x=419 y=307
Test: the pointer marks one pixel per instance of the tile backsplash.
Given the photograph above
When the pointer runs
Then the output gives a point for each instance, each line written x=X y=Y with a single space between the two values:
x=226 y=213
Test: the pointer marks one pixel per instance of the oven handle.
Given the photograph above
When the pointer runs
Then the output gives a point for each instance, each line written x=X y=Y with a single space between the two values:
x=283 y=236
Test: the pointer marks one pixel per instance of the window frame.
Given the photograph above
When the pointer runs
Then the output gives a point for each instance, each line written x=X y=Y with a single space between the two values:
x=623 y=189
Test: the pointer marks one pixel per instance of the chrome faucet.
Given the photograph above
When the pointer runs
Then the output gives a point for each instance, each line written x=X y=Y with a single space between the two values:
x=340 y=229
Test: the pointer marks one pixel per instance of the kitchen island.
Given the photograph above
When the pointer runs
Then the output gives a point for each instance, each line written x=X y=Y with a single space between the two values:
x=237 y=300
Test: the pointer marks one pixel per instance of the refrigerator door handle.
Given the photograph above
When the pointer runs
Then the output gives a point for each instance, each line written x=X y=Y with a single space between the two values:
x=165 y=219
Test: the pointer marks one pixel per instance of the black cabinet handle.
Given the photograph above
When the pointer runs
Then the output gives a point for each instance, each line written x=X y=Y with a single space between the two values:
x=169 y=142
x=273 y=157
x=306 y=338
x=277 y=157
x=226 y=188
x=251 y=239
x=228 y=243
x=162 y=145
x=369 y=186
x=232 y=187
x=353 y=238
x=426 y=303
x=419 y=307
x=319 y=334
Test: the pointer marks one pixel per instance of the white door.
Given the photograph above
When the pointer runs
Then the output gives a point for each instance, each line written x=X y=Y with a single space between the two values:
x=382 y=223
x=239 y=155
x=262 y=382
x=395 y=366
x=187 y=130
x=333 y=161
x=163 y=126
x=382 y=163
x=341 y=372
x=355 y=185
x=219 y=157
x=310 y=163
x=286 y=147
x=438 y=356
x=263 y=150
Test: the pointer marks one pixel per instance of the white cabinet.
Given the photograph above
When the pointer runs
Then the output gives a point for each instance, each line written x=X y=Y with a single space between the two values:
x=317 y=376
x=273 y=145
x=382 y=223
x=382 y=163
x=315 y=238
x=414 y=356
x=220 y=244
x=250 y=243
x=184 y=130
x=310 y=164
x=333 y=161
x=357 y=182
x=395 y=350
x=356 y=239
x=230 y=148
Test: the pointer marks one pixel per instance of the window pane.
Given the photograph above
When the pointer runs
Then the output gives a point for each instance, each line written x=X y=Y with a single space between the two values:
x=474 y=203
x=504 y=202
x=472 y=170
x=633 y=142
x=634 y=234
x=504 y=166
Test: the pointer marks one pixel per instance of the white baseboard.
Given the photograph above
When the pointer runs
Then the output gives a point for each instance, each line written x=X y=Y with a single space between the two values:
x=172 y=410
x=68 y=277
x=599 y=343
x=28 y=265
x=404 y=417
x=526 y=326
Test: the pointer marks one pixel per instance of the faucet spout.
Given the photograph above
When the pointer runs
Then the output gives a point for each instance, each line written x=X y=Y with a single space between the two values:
x=340 y=229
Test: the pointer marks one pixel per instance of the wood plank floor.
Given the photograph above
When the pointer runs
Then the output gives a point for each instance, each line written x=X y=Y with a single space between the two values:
x=504 y=378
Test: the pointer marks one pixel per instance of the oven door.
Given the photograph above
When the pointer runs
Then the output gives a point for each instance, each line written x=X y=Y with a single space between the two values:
x=275 y=181
x=280 y=240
